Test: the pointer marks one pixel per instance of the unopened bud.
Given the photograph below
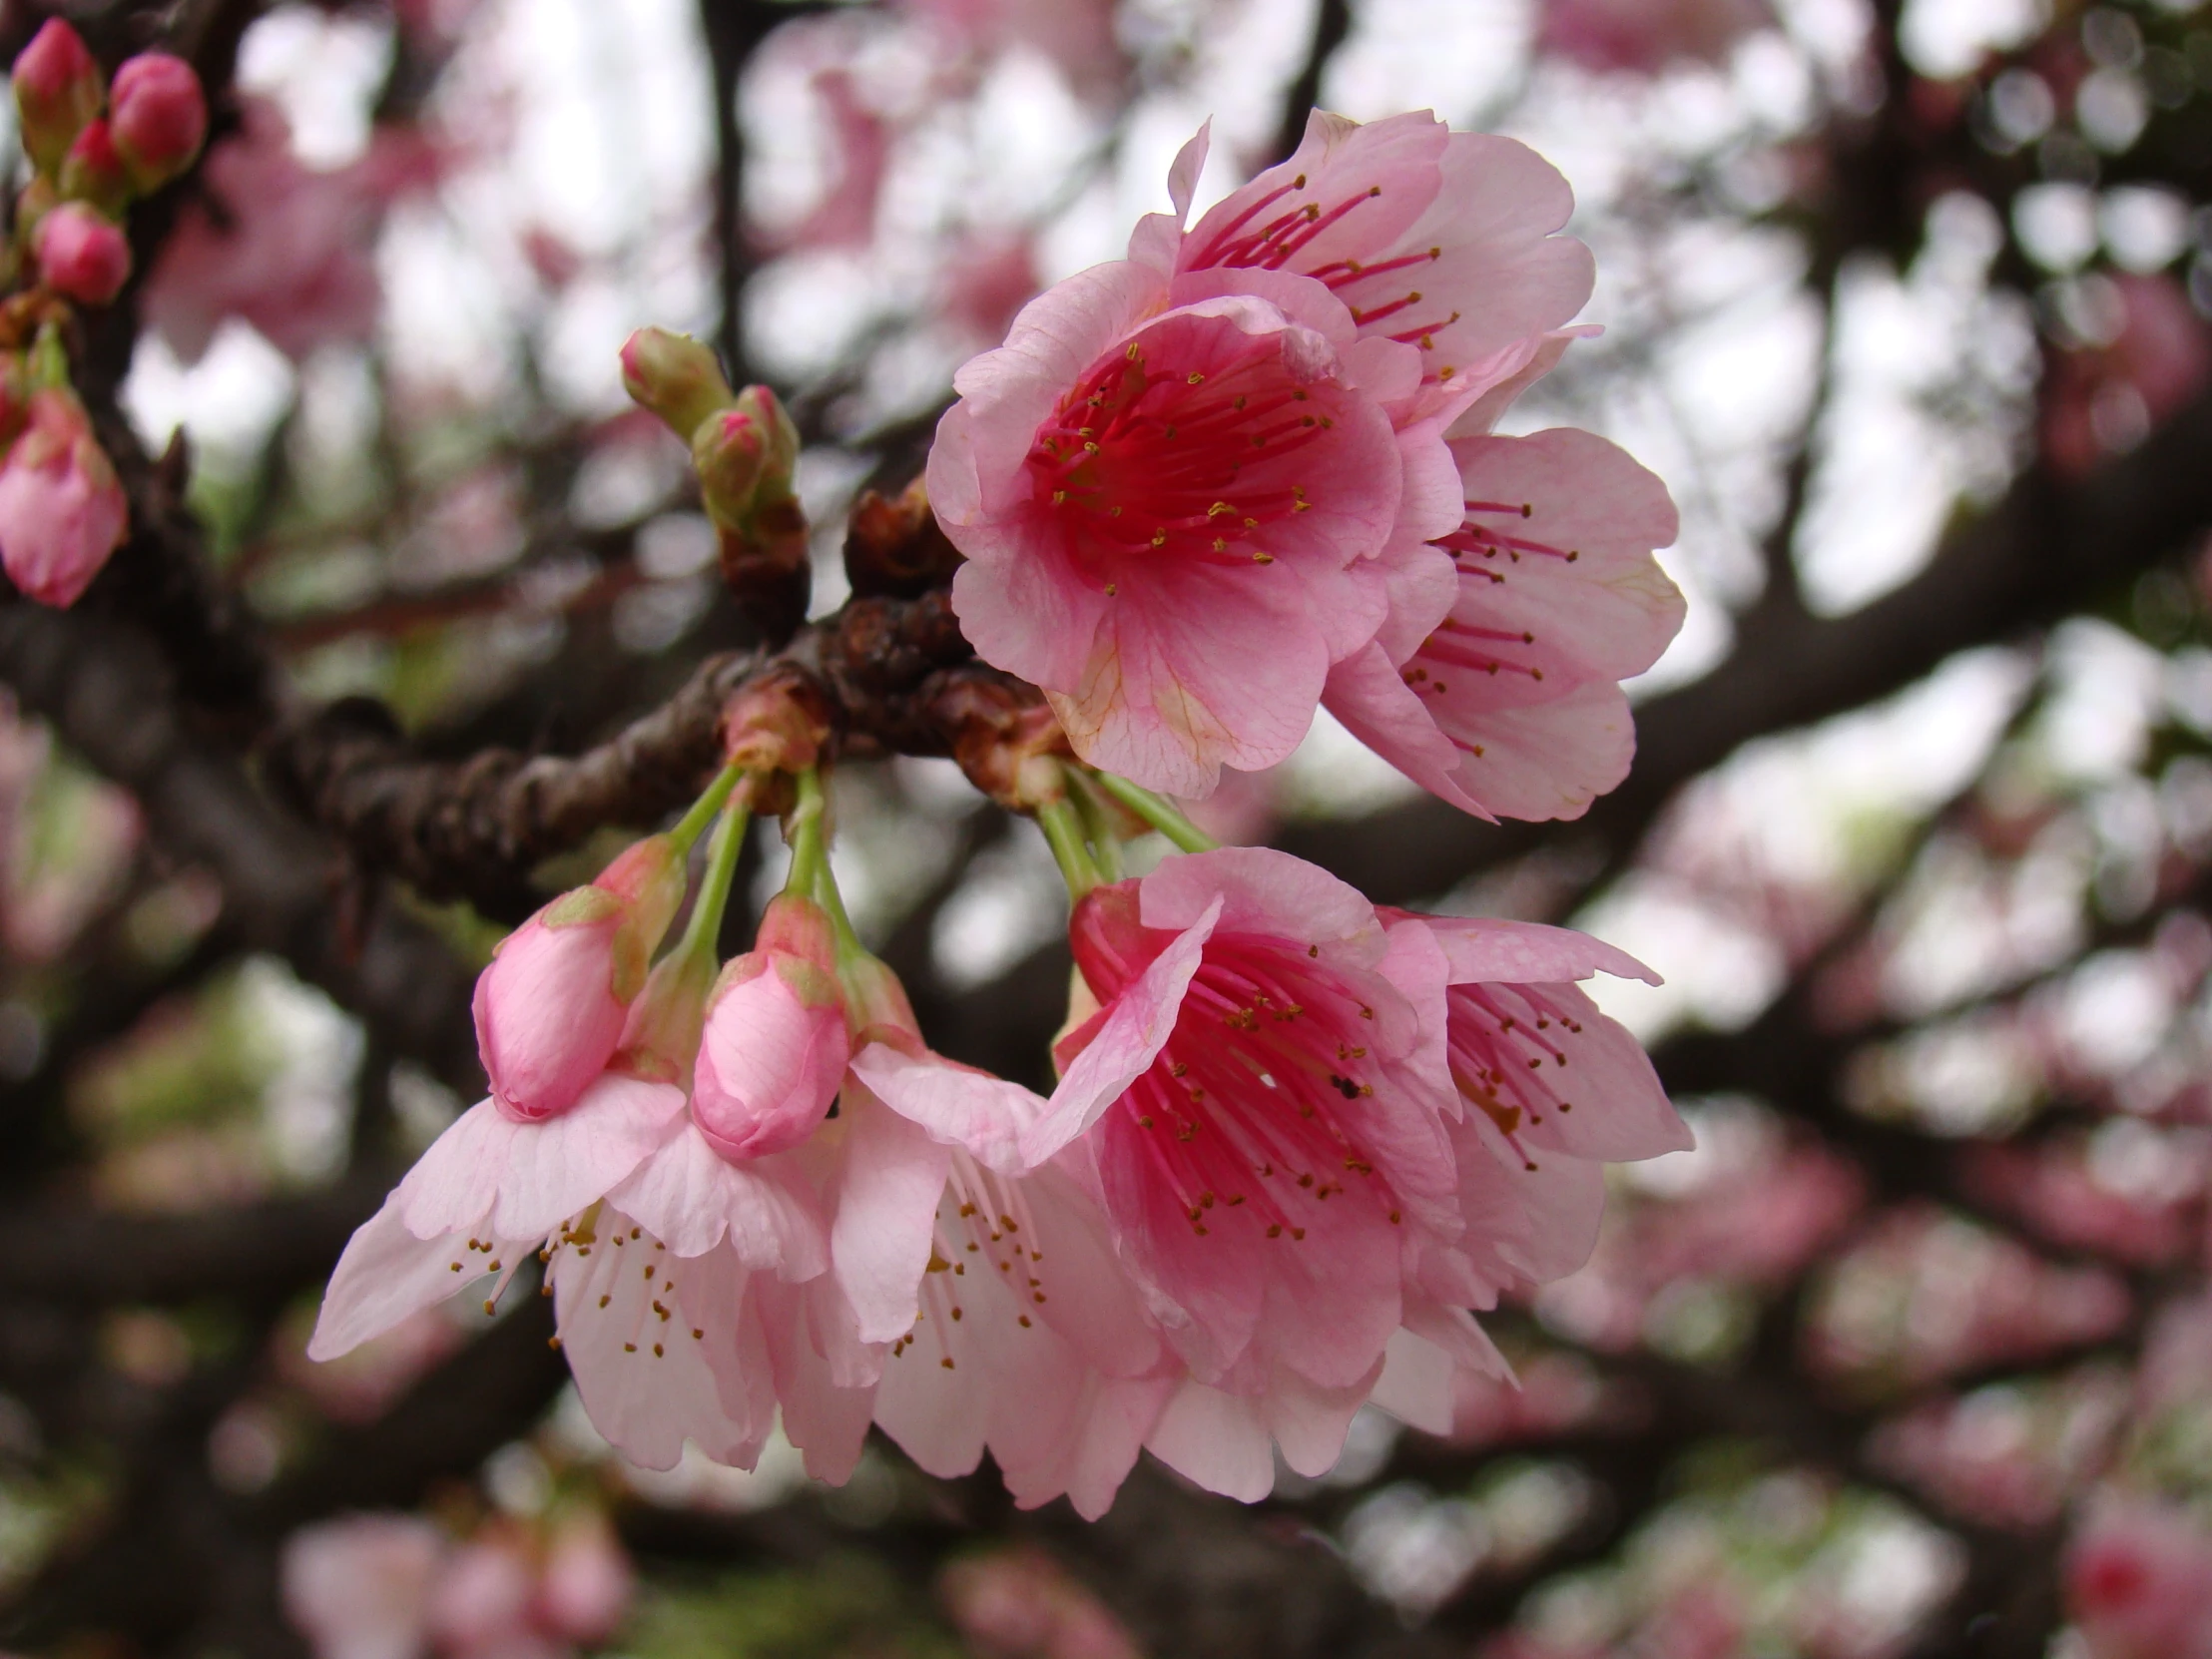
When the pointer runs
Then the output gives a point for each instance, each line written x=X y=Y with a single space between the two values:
x=57 y=91
x=761 y=525
x=730 y=453
x=676 y=377
x=93 y=172
x=82 y=256
x=160 y=117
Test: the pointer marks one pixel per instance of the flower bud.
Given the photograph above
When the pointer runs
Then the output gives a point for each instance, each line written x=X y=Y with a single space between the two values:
x=62 y=509
x=57 y=91
x=551 y=1007
x=773 y=1052
x=81 y=255
x=729 y=453
x=158 y=116
x=588 y=1582
x=92 y=172
x=676 y=377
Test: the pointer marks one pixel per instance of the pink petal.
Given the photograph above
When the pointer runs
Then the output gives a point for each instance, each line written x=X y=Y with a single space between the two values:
x=1127 y=1041
x=556 y=1169
x=884 y=1209
x=958 y=1105
x=1217 y=1440
x=455 y=1182
x=1483 y=949
x=692 y=1199
x=1417 y=1383
x=646 y=1381
x=1310 y=1423
x=827 y=1421
x=388 y=1274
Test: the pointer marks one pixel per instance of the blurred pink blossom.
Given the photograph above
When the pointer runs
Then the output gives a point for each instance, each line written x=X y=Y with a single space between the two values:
x=284 y=246
x=1643 y=37
x=360 y=1587
x=1020 y=1604
x=1926 y=1295
x=2138 y=1575
x=2104 y=396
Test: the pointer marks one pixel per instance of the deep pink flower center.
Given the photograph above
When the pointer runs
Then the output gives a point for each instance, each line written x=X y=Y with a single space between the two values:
x=1245 y=1109
x=1275 y=232
x=1140 y=459
x=1506 y=1050
x=1484 y=553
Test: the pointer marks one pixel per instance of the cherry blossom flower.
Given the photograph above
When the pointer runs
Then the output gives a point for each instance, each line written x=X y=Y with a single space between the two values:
x=1643 y=37
x=1193 y=480
x=62 y=510
x=56 y=81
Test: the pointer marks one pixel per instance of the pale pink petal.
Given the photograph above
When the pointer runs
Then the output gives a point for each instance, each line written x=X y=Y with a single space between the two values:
x=1511 y=370
x=455 y=1182
x=547 y=1019
x=1484 y=949
x=956 y=1104
x=1310 y=1423
x=1540 y=1214
x=1416 y=1385
x=692 y=1200
x=1371 y=701
x=557 y=1167
x=1217 y=1440
x=647 y=1383
x=883 y=1211
x=388 y=1274
x=827 y=1419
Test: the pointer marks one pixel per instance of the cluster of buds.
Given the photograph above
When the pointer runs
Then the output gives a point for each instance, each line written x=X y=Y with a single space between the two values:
x=94 y=145
x=744 y=448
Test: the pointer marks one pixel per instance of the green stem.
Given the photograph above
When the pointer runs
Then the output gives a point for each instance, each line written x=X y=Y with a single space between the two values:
x=1063 y=832
x=704 y=808
x=811 y=874
x=1098 y=824
x=704 y=925
x=1157 y=812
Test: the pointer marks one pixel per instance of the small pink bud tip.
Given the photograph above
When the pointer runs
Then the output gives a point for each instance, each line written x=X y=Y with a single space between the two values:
x=93 y=170
x=56 y=90
x=160 y=117
x=675 y=377
x=82 y=256
x=729 y=451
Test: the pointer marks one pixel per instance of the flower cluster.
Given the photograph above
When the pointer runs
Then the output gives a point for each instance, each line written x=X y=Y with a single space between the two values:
x=94 y=144
x=1297 y=1140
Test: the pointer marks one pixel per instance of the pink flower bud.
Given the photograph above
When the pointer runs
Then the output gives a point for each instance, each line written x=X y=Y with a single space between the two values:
x=483 y=1599
x=81 y=255
x=675 y=377
x=550 y=1008
x=588 y=1582
x=775 y=1050
x=93 y=172
x=729 y=451
x=62 y=510
x=160 y=117
x=56 y=90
